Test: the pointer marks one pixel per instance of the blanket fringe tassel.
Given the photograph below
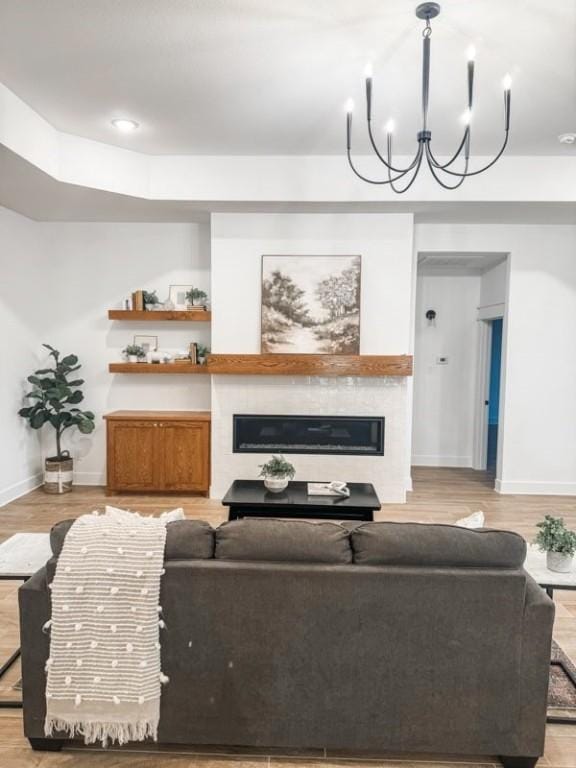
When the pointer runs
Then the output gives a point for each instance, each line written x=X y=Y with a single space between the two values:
x=92 y=732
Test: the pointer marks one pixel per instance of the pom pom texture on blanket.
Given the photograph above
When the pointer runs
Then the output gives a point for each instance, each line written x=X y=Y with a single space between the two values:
x=103 y=674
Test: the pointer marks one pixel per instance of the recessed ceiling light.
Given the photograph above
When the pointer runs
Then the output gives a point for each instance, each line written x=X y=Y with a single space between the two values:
x=124 y=125
x=567 y=138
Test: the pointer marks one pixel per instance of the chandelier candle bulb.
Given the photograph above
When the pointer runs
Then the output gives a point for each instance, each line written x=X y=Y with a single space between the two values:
x=470 y=82
x=369 y=97
x=349 y=111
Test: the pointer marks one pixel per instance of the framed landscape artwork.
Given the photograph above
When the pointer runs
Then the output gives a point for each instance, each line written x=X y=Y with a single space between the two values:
x=311 y=305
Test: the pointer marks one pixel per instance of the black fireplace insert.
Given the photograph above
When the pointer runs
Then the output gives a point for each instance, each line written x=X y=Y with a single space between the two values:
x=342 y=435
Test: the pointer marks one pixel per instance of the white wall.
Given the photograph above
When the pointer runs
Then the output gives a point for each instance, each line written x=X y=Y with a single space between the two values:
x=21 y=294
x=79 y=272
x=385 y=244
x=538 y=401
x=443 y=419
x=493 y=289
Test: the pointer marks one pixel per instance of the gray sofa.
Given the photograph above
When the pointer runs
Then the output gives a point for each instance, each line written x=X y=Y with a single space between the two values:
x=386 y=637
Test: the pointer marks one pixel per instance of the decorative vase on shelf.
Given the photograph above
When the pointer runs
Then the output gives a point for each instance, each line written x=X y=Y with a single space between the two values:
x=559 y=562
x=133 y=358
x=276 y=484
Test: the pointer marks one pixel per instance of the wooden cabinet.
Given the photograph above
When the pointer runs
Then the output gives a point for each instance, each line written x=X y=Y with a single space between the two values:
x=150 y=451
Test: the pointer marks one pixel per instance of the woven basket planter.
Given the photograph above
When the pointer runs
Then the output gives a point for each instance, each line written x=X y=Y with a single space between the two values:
x=58 y=475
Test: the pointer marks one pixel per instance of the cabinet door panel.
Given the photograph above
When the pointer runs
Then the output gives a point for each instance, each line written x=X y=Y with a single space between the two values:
x=186 y=456
x=134 y=455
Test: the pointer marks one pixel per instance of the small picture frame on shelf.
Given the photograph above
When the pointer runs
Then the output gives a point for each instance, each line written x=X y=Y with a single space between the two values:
x=177 y=295
x=148 y=343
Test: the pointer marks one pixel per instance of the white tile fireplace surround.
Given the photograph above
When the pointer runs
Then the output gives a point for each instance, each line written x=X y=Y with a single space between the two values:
x=385 y=243
x=312 y=396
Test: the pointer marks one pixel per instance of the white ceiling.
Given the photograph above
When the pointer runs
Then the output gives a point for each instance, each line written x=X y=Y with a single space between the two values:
x=271 y=76
x=28 y=190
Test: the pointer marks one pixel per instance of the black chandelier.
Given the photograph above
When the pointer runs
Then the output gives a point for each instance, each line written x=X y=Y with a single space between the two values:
x=426 y=11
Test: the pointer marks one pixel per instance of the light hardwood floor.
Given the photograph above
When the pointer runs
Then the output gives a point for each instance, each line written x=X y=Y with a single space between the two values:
x=440 y=495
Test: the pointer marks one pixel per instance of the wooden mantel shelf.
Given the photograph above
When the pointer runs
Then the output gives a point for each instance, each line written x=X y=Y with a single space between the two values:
x=194 y=316
x=153 y=368
x=311 y=365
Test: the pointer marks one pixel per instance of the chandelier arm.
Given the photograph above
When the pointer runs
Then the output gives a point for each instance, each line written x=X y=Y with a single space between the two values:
x=373 y=181
x=437 y=177
x=485 y=168
x=381 y=157
x=399 y=191
x=455 y=156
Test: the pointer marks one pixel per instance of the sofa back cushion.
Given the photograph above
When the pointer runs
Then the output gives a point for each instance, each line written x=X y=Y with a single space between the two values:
x=189 y=540
x=185 y=539
x=436 y=545
x=283 y=541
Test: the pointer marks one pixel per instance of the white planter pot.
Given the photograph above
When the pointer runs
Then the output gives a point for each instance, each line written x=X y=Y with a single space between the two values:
x=559 y=562
x=276 y=484
x=132 y=358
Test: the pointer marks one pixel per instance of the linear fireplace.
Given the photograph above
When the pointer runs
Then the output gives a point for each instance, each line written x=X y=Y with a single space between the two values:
x=328 y=435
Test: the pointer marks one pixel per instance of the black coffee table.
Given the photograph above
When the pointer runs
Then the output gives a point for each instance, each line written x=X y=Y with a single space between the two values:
x=249 y=498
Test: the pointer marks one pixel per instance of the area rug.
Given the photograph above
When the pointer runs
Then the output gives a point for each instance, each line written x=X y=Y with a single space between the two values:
x=562 y=690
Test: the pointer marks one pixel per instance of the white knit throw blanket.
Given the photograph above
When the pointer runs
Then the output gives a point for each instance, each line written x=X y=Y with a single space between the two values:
x=103 y=674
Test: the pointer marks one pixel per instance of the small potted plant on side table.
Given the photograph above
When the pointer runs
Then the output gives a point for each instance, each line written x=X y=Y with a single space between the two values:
x=134 y=353
x=558 y=542
x=276 y=473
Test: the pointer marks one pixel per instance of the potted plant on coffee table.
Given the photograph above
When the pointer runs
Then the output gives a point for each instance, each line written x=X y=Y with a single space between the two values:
x=558 y=542
x=54 y=397
x=276 y=473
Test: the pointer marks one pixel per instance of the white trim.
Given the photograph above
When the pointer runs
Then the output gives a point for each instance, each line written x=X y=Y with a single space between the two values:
x=13 y=492
x=89 y=478
x=491 y=311
x=535 y=488
x=442 y=461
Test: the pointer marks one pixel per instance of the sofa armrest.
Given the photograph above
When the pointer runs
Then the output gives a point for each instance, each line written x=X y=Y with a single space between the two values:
x=35 y=611
x=535 y=667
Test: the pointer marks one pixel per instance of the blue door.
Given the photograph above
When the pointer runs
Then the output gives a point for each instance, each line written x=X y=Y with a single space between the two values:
x=494 y=393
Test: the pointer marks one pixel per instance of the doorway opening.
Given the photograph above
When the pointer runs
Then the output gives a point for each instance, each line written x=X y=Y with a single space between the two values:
x=493 y=402
x=459 y=361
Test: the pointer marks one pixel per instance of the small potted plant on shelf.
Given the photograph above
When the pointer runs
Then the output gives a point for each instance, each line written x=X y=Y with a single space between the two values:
x=151 y=300
x=558 y=542
x=54 y=399
x=196 y=294
x=134 y=353
x=201 y=353
x=276 y=473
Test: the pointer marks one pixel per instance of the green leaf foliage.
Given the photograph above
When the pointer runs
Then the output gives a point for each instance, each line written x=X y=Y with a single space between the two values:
x=553 y=536
x=277 y=467
x=54 y=394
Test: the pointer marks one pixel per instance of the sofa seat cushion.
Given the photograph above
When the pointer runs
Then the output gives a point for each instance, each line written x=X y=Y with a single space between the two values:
x=436 y=545
x=185 y=539
x=283 y=541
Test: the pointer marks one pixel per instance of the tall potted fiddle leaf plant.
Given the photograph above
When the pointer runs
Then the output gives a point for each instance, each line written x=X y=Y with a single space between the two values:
x=53 y=400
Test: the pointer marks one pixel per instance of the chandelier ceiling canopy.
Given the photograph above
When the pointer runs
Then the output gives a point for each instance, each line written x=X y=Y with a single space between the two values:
x=444 y=172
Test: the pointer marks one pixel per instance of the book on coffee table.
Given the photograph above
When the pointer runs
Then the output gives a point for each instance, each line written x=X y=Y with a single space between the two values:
x=326 y=489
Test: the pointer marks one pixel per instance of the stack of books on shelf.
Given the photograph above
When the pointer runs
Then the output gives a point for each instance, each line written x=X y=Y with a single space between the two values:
x=138 y=301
